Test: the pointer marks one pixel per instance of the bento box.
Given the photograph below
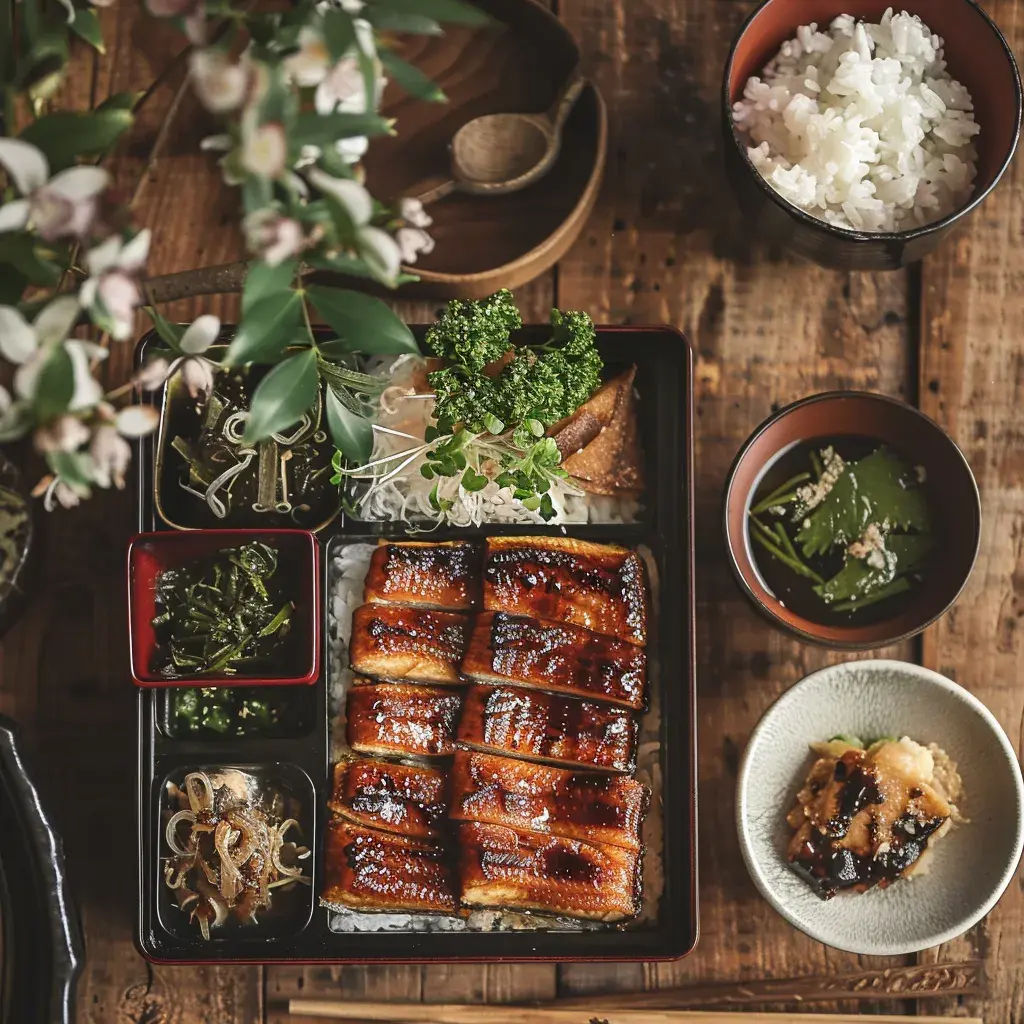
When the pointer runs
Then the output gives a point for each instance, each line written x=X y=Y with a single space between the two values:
x=193 y=749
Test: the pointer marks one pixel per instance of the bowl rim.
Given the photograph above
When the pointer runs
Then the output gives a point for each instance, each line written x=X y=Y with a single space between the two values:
x=926 y=675
x=804 y=628
x=305 y=673
x=853 y=234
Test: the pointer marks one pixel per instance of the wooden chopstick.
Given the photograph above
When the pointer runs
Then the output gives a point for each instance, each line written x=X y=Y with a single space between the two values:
x=449 y=1013
x=920 y=981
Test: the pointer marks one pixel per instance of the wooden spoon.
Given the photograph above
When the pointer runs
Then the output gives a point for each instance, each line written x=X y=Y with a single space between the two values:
x=500 y=153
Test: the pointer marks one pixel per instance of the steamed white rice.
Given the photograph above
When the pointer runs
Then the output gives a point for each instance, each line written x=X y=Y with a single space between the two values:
x=862 y=126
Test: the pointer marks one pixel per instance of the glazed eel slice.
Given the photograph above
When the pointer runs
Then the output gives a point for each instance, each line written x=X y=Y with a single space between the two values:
x=402 y=798
x=435 y=575
x=555 y=656
x=576 y=805
x=408 y=644
x=513 y=869
x=393 y=718
x=597 y=586
x=366 y=869
x=548 y=728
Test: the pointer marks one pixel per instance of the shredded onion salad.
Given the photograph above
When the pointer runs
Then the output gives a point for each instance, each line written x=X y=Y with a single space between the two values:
x=391 y=485
x=228 y=854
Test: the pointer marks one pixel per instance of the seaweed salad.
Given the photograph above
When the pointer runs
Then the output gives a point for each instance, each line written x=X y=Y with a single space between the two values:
x=841 y=526
x=222 y=614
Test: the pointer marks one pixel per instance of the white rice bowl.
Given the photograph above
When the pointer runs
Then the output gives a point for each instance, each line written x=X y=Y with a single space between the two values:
x=862 y=126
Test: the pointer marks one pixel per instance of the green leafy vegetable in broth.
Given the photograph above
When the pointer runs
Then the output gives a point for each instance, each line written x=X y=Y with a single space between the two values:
x=859 y=531
x=221 y=615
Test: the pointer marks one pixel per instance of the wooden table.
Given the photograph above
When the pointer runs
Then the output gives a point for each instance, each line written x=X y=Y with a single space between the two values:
x=666 y=244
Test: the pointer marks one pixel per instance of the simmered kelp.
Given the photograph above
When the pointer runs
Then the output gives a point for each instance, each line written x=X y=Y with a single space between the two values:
x=224 y=614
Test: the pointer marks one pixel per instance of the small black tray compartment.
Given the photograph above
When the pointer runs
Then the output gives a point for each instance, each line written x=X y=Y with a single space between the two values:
x=665 y=383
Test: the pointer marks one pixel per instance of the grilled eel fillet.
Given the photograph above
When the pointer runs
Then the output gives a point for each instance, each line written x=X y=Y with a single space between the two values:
x=544 y=727
x=576 y=805
x=402 y=798
x=392 y=718
x=409 y=644
x=435 y=575
x=597 y=586
x=367 y=869
x=555 y=656
x=504 y=867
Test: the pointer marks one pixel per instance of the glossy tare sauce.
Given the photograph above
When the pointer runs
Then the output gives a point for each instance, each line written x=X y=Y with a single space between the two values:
x=865 y=841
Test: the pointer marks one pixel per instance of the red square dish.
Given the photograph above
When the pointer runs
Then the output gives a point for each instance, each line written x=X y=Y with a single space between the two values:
x=149 y=554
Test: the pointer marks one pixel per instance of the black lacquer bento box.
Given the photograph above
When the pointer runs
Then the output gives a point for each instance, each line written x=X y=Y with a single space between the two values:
x=301 y=759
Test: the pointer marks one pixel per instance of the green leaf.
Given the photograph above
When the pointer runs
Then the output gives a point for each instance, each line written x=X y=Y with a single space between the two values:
x=87 y=27
x=45 y=58
x=121 y=101
x=339 y=33
x=72 y=467
x=362 y=323
x=351 y=433
x=65 y=135
x=411 y=79
x=55 y=386
x=452 y=12
x=269 y=327
x=313 y=129
x=263 y=280
x=18 y=250
x=872 y=490
x=170 y=334
x=473 y=481
x=394 y=21
x=282 y=396
x=342 y=263
x=857 y=580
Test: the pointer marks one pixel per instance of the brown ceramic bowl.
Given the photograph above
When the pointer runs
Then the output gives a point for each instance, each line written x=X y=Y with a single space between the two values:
x=521 y=63
x=978 y=56
x=953 y=499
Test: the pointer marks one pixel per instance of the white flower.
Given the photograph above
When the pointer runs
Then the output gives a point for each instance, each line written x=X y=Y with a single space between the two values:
x=197 y=375
x=412 y=242
x=112 y=292
x=412 y=212
x=66 y=433
x=264 y=149
x=54 y=207
x=353 y=196
x=344 y=89
x=56 y=491
x=136 y=420
x=375 y=245
x=381 y=252
x=21 y=341
x=272 y=237
x=152 y=375
x=308 y=66
x=220 y=84
x=200 y=334
x=111 y=456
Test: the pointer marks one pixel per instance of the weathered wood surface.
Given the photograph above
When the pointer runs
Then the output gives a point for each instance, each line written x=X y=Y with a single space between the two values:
x=665 y=245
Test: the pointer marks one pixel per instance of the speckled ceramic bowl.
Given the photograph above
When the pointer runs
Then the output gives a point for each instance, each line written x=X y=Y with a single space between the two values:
x=970 y=867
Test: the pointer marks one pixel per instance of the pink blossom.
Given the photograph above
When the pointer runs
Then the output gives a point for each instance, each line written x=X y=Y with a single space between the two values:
x=111 y=456
x=265 y=150
x=272 y=237
x=64 y=434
